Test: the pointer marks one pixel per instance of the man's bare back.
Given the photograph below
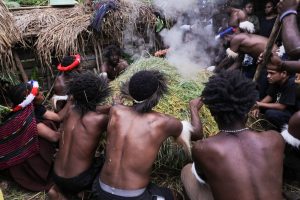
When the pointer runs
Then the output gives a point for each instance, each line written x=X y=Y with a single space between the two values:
x=79 y=140
x=236 y=163
x=75 y=166
x=134 y=136
x=250 y=44
x=240 y=156
x=131 y=153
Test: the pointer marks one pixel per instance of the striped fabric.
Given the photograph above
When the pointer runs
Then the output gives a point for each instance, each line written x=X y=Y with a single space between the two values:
x=18 y=138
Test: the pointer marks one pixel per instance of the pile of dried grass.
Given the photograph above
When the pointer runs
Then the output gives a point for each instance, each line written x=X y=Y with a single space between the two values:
x=9 y=35
x=66 y=30
x=31 y=22
x=135 y=14
x=171 y=157
x=63 y=38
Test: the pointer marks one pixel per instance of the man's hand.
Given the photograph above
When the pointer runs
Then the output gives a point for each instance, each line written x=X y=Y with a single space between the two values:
x=274 y=59
x=260 y=58
x=196 y=103
x=117 y=99
x=255 y=112
x=285 y=5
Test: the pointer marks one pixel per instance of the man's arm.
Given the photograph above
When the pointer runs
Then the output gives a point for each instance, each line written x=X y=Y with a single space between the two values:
x=197 y=132
x=123 y=65
x=265 y=103
x=57 y=117
x=290 y=31
x=276 y=106
x=291 y=66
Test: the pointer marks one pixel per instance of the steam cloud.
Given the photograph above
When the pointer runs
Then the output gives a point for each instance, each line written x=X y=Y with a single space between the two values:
x=191 y=39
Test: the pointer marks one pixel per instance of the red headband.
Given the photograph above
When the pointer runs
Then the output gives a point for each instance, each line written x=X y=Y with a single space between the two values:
x=70 y=67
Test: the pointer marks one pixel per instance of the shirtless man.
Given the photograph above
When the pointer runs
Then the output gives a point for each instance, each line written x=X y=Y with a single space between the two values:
x=241 y=44
x=135 y=134
x=75 y=166
x=238 y=19
x=237 y=163
x=114 y=65
x=67 y=68
x=287 y=10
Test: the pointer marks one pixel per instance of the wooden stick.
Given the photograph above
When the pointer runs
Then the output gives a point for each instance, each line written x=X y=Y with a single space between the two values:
x=269 y=47
x=96 y=55
x=20 y=66
x=50 y=90
x=29 y=8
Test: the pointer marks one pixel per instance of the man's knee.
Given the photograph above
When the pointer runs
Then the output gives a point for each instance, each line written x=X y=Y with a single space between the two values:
x=185 y=172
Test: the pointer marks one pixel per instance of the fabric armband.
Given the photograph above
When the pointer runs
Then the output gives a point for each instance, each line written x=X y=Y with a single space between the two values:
x=103 y=75
x=56 y=98
x=286 y=13
x=185 y=135
x=199 y=179
x=231 y=54
x=247 y=26
x=289 y=138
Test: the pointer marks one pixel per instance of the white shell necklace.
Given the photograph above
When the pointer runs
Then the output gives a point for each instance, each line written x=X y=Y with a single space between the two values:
x=234 y=131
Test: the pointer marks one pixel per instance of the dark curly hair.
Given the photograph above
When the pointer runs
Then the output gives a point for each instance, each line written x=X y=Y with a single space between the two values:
x=66 y=61
x=19 y=92
x=88 y=90
x=145 y=88
x=109 y=50
x=229 y=95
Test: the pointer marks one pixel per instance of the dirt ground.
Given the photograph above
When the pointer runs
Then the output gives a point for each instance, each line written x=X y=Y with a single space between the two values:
x=291 y=191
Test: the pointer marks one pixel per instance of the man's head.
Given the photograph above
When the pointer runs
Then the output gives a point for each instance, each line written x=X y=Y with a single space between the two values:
x=145 y=88
x=69 y=63
x=113 y=54
x=269 y=8
x=275 y=74
x=87 y=91
x=18 y=93
x=248 y=7
x=229 y=96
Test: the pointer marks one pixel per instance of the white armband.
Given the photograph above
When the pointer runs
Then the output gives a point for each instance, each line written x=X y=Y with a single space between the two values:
x=280 y=51
x=289 y=138
x=103 y=74
x=185 y=135
x=231 y=54
x=199 y=179
x=247 y=26
x=56 y=98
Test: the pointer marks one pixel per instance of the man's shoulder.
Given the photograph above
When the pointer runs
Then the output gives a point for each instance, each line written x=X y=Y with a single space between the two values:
x=207 y=145
x=273 y=137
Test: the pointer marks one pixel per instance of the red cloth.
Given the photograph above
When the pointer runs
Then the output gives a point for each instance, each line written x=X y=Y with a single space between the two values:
x=18 y=138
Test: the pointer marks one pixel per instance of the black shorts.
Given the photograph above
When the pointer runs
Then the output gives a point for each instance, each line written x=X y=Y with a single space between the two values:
x=152 y=192
x=72 y=186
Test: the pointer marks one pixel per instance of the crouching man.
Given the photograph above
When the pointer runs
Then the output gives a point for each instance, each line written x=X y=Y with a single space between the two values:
x=134 y=136
x=237 y=163
x=75 y=166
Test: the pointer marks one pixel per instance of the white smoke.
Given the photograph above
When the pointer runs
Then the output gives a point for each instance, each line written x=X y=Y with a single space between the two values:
x=191 y=38
x=135 y=43
x=172 y=8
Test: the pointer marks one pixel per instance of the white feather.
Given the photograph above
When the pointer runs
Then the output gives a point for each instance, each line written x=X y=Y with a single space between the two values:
x=247 y=26
x=289 y=138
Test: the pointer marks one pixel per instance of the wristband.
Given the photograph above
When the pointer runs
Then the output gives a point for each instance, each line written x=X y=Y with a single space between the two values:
x=286 y=13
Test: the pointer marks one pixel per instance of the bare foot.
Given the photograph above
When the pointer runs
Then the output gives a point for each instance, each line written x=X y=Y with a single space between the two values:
x=54 y=194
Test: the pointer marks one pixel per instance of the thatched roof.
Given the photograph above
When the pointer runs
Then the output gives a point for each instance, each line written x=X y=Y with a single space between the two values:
x=9 y=35
x=61 y=31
